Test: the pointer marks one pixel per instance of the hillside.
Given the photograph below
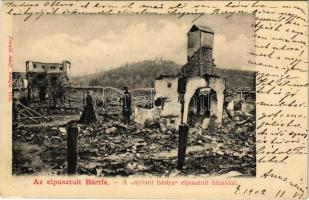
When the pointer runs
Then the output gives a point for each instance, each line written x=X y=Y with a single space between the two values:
x=142 y=75
x=237 y=78
x=133 y=75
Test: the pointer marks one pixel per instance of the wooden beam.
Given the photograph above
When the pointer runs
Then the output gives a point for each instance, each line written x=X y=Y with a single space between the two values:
x=27 y=116
x=33 y=111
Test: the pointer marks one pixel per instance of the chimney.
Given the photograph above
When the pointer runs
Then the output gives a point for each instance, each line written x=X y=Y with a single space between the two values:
x=200 y=46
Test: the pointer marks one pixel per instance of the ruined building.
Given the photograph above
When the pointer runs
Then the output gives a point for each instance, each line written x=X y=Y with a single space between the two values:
x=20 y=85
x=199 y=89
x=47 y=80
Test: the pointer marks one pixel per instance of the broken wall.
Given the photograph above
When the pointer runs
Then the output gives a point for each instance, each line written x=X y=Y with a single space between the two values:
x=195 y=83
x=167 y=89
x=40 y=67
x=199 y=64
x=141 y=115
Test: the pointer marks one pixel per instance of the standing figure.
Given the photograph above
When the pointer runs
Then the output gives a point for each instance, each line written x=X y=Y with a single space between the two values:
x=126 y=105
x=88 y=115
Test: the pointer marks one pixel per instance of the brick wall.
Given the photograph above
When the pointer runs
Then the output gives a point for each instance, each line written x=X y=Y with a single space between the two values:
x=200 y=63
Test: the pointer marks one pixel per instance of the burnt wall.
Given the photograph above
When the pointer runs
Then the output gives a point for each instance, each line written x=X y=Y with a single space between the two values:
x=200 y=63
x=40 y=67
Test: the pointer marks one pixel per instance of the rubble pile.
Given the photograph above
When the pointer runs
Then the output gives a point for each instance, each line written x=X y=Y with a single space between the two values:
x=230 y=148
x=109 y=148
x=39 y=150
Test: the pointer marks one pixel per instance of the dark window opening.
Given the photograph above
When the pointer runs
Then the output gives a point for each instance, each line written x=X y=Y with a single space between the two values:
x=159 y=102
x=169 y=85
x=34 y=66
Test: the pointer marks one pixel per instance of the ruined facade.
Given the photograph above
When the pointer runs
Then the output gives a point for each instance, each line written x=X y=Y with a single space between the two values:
x=199 y=90
x=196 y=90
x=202 y=96
x=47 y=80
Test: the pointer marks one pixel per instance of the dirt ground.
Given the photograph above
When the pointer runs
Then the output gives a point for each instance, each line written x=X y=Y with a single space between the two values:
x=109 y=148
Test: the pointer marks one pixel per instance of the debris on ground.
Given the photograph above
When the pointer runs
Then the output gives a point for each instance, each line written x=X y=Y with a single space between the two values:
x=109 y=148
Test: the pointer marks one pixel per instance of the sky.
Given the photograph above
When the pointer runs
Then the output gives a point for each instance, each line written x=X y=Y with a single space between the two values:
x=94 y=43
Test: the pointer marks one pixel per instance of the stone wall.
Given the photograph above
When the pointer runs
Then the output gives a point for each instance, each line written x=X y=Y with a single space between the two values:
x=199 y=64
x=167 y=88
x=39 y=67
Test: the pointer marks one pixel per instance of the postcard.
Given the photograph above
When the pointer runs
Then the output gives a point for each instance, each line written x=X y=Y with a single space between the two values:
x=154 y=99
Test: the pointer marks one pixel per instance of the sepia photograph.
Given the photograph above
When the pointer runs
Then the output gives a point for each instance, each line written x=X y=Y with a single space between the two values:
x=125 y=95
